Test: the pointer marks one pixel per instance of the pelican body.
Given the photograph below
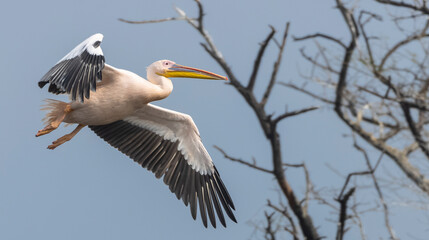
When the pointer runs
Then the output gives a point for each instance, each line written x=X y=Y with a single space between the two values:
x=119 y=95
x=115 y=104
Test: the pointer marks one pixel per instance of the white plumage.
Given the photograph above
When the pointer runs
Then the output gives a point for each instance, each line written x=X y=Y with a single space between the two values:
x=175 y=126
x=86 y=45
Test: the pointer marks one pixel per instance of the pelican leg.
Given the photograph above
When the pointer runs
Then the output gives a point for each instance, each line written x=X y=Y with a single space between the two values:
x=66 y=137
x=56 y=123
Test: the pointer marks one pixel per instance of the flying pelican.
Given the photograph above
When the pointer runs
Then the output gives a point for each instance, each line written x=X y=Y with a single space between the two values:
x=115 y=104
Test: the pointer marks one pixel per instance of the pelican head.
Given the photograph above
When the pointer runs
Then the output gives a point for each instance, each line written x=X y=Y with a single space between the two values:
x=170 y=69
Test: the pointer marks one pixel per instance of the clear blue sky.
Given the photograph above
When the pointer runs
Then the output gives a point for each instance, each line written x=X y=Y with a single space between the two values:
x=87 y=190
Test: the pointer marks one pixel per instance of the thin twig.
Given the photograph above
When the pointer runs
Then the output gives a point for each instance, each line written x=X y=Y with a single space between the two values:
x=349 y=176
x=422 y=9
x=275 y=68
x=398 y=45
x=294 y=113
x=153 y=21
x=377 y=188
x=290 y=85
x=284 y=212
x=359 y=222
x=270 y=233
x=252 y=165
x=258 y=59
x=321 y=35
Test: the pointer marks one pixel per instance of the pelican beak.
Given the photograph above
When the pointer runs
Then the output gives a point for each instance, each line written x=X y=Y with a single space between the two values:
x=188 y=72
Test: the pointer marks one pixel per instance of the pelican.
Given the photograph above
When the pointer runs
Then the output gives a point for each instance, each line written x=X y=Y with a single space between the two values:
x=115 y=104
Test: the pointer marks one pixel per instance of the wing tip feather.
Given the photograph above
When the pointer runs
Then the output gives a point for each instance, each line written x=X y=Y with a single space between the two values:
x=204 y=191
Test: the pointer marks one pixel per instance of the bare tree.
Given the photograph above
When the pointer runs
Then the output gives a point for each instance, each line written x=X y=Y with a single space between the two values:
x=391 y=85
x=378 y=91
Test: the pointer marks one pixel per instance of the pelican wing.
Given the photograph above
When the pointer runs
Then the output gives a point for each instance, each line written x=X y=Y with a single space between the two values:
x=77 y=73
x=168 y=144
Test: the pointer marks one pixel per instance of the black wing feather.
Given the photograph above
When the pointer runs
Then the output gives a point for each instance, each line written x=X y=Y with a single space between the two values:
x=78 y=72
x=163 y=158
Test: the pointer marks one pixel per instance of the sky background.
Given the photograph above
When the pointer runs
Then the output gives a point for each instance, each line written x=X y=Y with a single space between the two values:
x=87 y=190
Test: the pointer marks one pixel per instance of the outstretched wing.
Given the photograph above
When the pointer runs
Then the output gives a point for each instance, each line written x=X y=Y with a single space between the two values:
x=168 y=144
x=77 y=73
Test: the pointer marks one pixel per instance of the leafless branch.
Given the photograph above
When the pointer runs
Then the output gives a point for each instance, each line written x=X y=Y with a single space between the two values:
x=153 y=21
x=398 y=45
x=359 y=222
x=284 y=212
x=294 y=113
x=252 y=165
x=413 y=128
x=349 y=19
x=349 y=176
x=321 y=35
x=316 y=63
x=308 y=185
x=290 y=85
x=275 y=68
x=343 y=213
x=422 y=8
x=258 y=59
x=377 y=188
x=270 y=233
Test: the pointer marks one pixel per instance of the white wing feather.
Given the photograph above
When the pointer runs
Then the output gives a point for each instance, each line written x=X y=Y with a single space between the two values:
x=87 y=45
x=173 y=126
